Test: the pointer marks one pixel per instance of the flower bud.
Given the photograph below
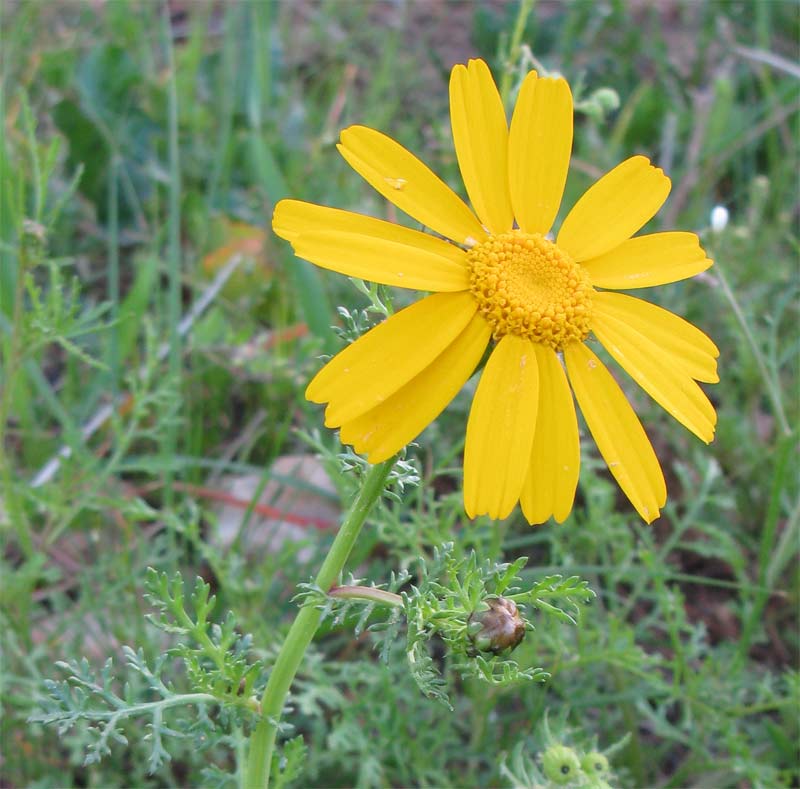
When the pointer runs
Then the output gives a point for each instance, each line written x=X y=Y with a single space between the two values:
x=719 y=218
x=607 y=99
x=33 y=242
x=594 y=764
x=602 y=102
x=561 y=765
x=497 y=629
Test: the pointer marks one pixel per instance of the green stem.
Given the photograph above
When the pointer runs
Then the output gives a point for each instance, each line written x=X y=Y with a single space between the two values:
x=512 y=56
x=173 y=306
x=302 y=630
x=31 y=254
x=636 y=759
x=766 y=550
x=772 y=386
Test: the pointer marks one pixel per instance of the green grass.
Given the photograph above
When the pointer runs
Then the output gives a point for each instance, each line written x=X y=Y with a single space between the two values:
x=129 y=138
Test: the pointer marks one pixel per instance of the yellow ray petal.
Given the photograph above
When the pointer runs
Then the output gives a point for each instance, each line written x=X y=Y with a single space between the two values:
x=539 y=147
x=383 y=261
x=383 y=430
x=617 y=431
x=614 y=208
x=480 y=135
x=668 y=384
x=405 y=181
x=293 y=218
x=676 y=337
x=643 y=261
x=552 y=477
x=500 y=429
x=360 y=246
x=388 y=356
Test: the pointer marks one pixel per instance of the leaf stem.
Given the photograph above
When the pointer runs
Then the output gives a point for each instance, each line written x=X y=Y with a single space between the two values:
x=302 y=631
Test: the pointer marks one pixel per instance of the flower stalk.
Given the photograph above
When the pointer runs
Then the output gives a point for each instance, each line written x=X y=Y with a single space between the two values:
x=304 y=627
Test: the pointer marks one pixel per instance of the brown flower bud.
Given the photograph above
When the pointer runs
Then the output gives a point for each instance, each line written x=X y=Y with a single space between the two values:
x=497 y=629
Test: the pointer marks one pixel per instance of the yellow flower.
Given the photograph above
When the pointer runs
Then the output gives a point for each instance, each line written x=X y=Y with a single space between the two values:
x=496 y=275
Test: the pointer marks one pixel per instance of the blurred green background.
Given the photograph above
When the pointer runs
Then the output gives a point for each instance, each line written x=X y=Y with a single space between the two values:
x=144 y=147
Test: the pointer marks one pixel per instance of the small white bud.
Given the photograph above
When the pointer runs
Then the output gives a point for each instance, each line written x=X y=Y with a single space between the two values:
x=719 y=218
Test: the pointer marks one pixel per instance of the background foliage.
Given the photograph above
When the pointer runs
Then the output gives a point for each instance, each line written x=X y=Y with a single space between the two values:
x=144 y=145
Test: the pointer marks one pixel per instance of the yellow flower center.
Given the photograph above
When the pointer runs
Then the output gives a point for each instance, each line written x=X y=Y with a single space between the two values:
x=525 y=285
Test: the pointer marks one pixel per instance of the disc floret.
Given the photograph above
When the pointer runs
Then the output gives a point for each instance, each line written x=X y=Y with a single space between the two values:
x=525 y=285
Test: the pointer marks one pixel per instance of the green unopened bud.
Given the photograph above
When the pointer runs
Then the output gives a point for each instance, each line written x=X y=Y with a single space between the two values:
x=607 y=99
x=561 y=765
x=497 y=629
x=594 y=764
x=33 y=243
x=602 y=102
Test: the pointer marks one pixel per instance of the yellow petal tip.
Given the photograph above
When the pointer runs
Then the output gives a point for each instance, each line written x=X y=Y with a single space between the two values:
x=331 y=423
